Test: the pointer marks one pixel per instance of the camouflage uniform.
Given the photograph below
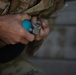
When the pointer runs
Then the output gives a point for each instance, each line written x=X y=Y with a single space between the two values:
x=42 y=9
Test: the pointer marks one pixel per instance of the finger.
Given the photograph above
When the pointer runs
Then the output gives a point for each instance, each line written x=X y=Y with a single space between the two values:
x=37 y=38
x=19 y=39
x=27 y=35
x=42 y=33
x=41 y=36
x=45 y=23
x=34 y=20
x=47 y=31
x=24 y=41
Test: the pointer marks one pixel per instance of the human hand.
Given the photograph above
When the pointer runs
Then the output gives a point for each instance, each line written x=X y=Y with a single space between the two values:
x=11 y=30
x=44 y=28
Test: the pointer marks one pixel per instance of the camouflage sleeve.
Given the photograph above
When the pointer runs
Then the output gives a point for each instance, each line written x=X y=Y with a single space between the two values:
x=35 y=45
x=58 y=4
x=4 y=5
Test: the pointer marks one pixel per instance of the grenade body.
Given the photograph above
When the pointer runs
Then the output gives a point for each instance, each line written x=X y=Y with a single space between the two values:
x=32 y=27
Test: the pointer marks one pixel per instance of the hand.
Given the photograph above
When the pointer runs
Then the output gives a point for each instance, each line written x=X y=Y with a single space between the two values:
x=44 y=30
x=11 y=30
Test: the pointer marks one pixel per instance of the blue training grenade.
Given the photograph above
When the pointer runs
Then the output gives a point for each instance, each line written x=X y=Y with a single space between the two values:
x=34 y=28
x=27 y=25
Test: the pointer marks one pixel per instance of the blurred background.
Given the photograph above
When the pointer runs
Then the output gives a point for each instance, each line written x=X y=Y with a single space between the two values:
x=57 y=55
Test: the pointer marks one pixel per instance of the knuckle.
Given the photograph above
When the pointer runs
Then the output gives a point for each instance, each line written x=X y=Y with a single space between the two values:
x=17 y=40
x=18 y=16
x=21 y=32
x=31 y=39
x=13 y=43
x=45 y=24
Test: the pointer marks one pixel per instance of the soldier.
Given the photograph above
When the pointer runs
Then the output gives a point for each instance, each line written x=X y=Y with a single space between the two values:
x=13 y=12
